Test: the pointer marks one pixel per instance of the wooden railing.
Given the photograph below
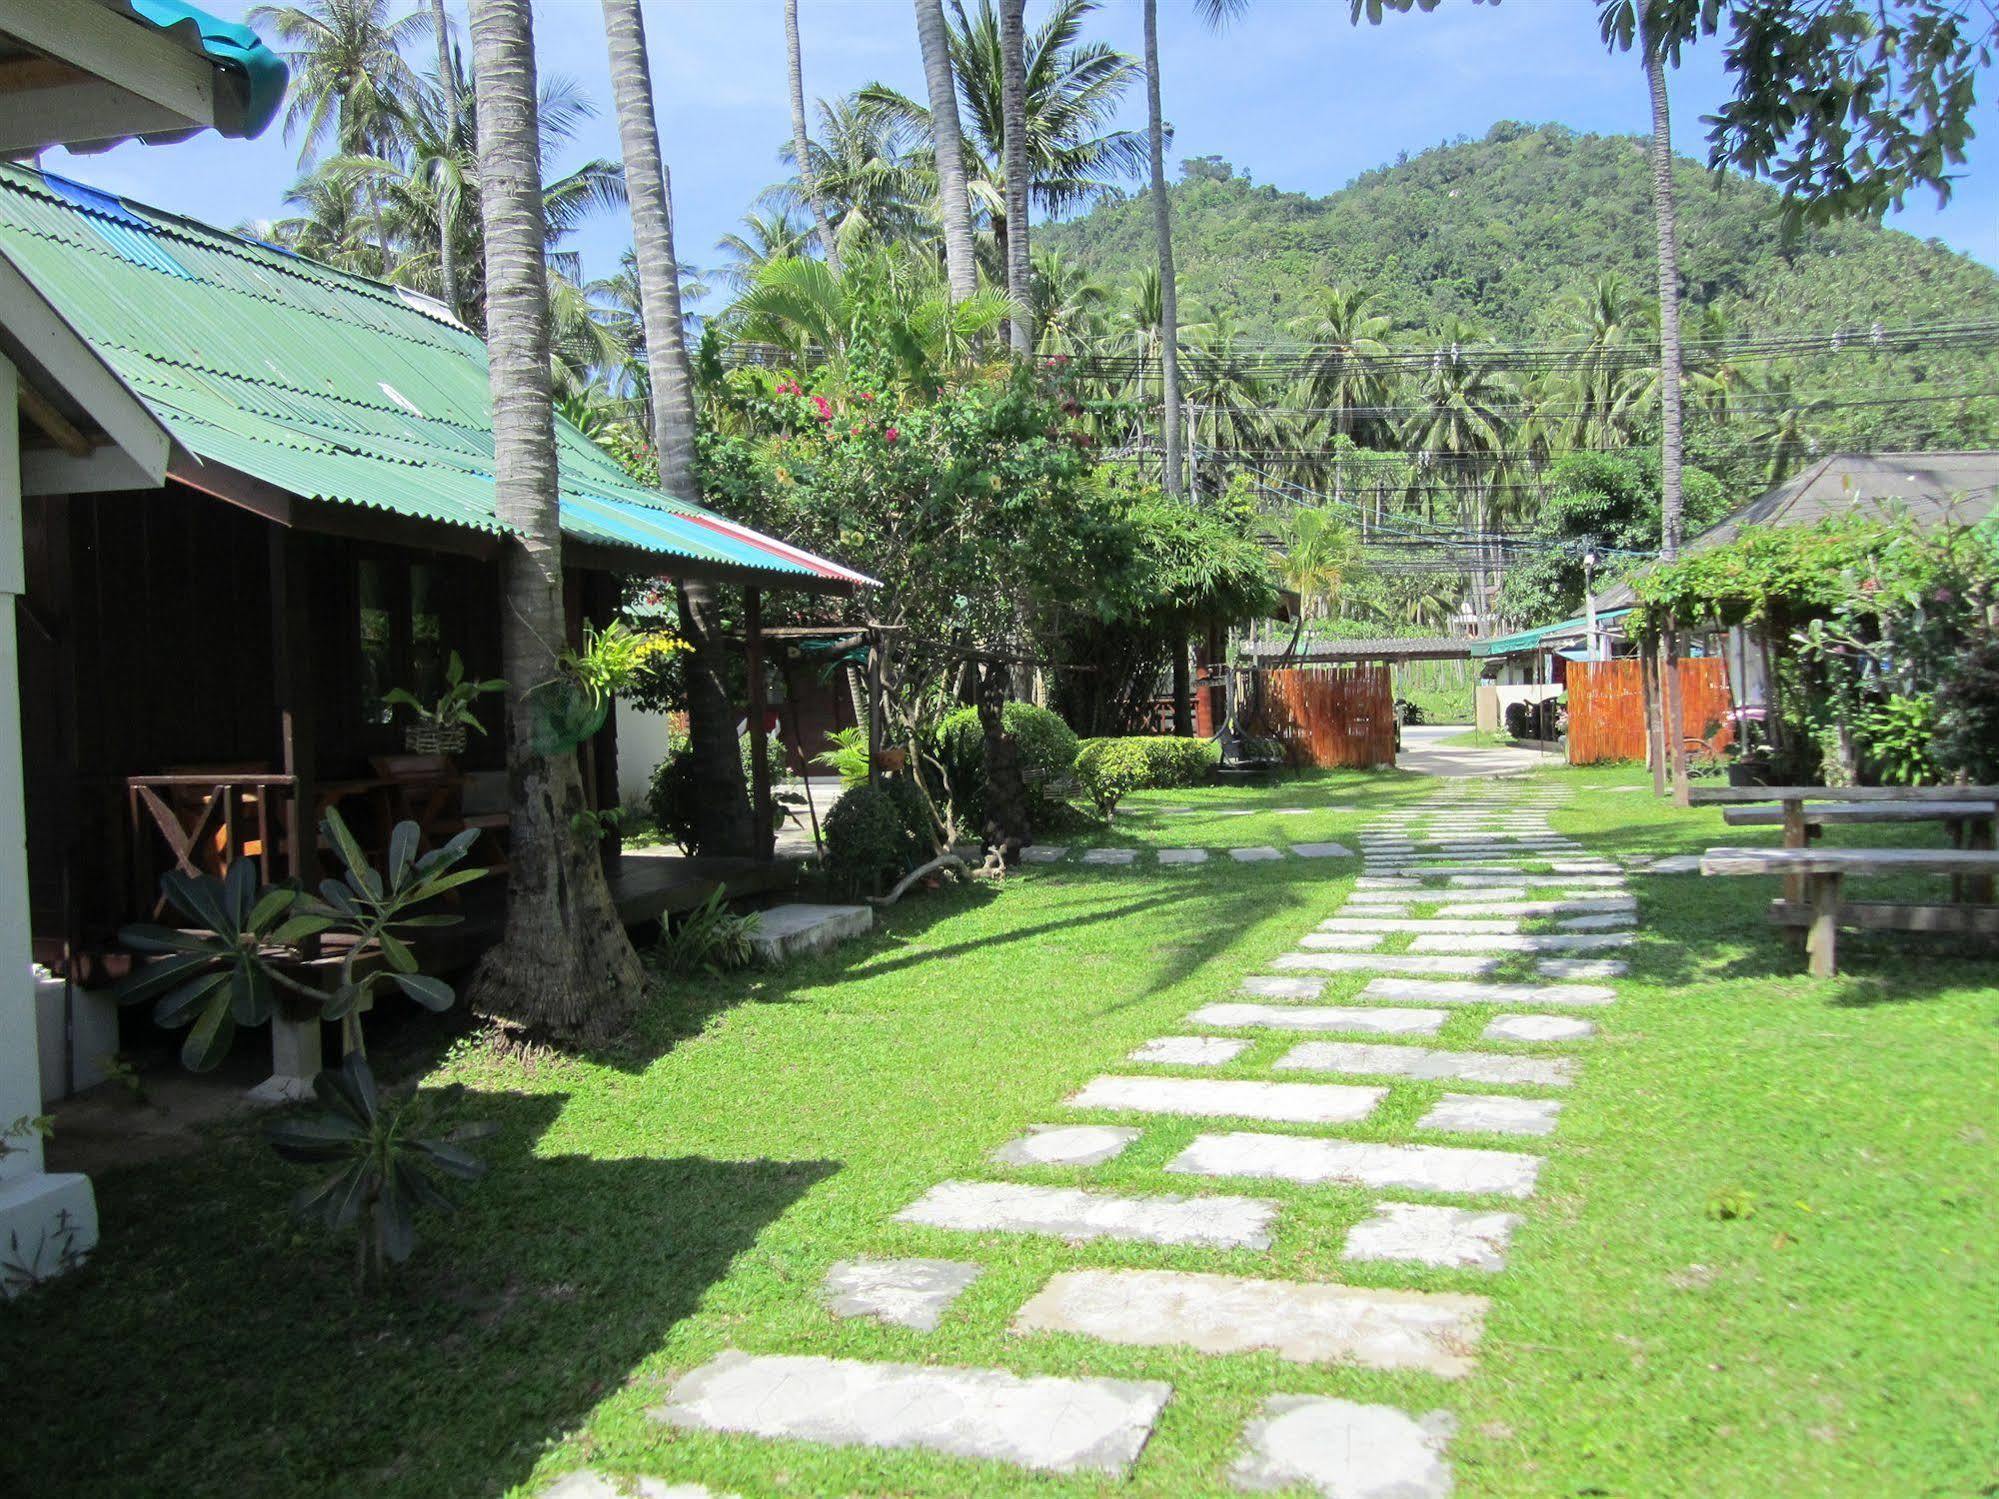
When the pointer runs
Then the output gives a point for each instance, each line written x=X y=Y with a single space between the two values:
x=204 y=821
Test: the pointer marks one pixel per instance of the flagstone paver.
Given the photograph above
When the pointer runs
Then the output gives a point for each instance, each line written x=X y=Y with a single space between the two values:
x=1286 y=1103
x=1109 y=855
x=1344 y=1450
x=1044 y=853
x=1602 y=903
x=1451 y=992
x=909 y=1293
x=1537 y=1028
x=1077 y=1215
x=1066 y=1145
x=1417 y=924
x=1489 y=1114
x=1056 y=1424
x=1411 y=1168
x=1266 y=987
x=1335 y=962
x=1385 y=1022
x=1607 y=921
x=1306 y=1323
x=1379 y=1060
x=1188 y=1051
x=1342 y=941
x=1322 y=850
x=1537 y=942
x=588 y=1483
x=1581 y=968
x=1456 y=1238
x=1183 y=856
x=1254 y=854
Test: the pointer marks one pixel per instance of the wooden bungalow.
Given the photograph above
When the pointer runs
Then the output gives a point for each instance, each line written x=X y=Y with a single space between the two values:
x=202 y=660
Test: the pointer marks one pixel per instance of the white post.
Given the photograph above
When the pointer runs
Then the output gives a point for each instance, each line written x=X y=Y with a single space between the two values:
x=1589 y=604
x=46 y=1222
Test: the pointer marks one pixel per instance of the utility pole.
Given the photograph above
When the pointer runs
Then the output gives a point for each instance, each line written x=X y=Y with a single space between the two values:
x=1589 y=604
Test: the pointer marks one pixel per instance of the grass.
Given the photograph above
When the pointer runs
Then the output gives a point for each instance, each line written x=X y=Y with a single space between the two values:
x=1761 y=1260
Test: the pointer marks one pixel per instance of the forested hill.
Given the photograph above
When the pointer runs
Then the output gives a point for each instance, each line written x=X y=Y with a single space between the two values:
x=1496 y=231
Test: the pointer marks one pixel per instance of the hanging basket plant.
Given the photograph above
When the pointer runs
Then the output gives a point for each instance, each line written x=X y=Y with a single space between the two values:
x=443 y=727
x=572 y=706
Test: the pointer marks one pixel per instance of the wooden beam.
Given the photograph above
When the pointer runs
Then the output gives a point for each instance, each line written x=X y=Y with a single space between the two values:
x=1897 y=916
x=51 y=423
x=762 y=831
x=291 y=661
x=124 y=51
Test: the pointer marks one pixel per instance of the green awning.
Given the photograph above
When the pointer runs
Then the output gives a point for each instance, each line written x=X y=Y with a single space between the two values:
x=1527 y=640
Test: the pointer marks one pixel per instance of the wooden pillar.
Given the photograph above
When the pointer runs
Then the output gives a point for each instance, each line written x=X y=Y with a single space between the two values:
x=291 y=658
x=1821 y=942
x=1670 y=695
x=761 y=830
x=1183 y=690
x=1655 y=747
x=875 y=746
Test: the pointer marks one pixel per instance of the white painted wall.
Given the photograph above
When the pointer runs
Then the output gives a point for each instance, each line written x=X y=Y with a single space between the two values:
x=641 y=746
x=34 y=1205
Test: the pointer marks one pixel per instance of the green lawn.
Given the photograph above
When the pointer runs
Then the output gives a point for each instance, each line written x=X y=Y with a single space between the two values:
x=1761 y=1261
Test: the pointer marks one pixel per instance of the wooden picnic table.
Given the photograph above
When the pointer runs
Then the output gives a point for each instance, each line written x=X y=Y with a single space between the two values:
x=1823 y=872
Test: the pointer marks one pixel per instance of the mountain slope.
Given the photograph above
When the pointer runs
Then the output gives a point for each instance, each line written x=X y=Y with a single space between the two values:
x=1497 y=230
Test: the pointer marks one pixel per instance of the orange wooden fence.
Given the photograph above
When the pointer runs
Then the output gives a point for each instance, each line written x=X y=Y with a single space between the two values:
x=1332 y=716
x=1607 y=707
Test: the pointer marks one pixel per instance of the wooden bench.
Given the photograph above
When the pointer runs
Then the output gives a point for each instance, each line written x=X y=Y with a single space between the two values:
x=1823 y=872
x=1966 y=811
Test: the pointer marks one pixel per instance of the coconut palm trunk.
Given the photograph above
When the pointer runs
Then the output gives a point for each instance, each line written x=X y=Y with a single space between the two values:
x=564 y=963
x=1013 y=113
x=447 y=80
x=722 y=811
x=1162 y=233
x=1666 y=222
x=801 y=146
x=954 y=199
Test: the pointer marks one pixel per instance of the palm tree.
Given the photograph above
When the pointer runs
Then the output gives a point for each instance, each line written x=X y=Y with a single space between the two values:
x=1462 y=423
x=1162 y=236
x=764 y=237
x=1230 y=398
x=1666 y=223
x=954 y=208
x=865 y=173
x=349 y=76
x=724 y=824
x=1605 y=388
x=1013 y=138
x=1344 y=334
x=447 y=83
x=801 y=155
x=1074 y=90
x=1317 y=553
x=1068 y=306
x=564 y=963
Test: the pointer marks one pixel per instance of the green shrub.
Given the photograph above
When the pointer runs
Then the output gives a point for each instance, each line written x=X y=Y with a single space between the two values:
x=1110 y=769
x=866 y=841
x=708 y=939
x=914 y=812
x=1047 y=750
x=674 y=792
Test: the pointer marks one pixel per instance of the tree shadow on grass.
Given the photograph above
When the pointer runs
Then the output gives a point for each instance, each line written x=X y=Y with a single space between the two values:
x=214 y=1347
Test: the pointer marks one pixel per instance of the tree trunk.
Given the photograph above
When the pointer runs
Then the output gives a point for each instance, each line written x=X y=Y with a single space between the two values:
x=1183 y=690
x=1013 y=108
x=447 y=81
x=1162 y=232
x=1665 y=219
x=800 y=144
x=953 y=200
x=564 y=963
x=722 y=820
x=1006 y=830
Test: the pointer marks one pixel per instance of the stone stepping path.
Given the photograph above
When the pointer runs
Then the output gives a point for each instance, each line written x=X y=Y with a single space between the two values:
x=1256 y=853
x=1183 y=856
x=1572 y=906
x=1331 y=962
x=1305 y=1323
x=1345 y=1449
x=1456 y=1238
x=1065 y=1145
x=1423 y=991
x=1608 y=921
x=1283 y=988
x=1109 y=855
x=1412 y=924
x=1376 y=1060
x=588 y=1483
x=1380 y=1022
x=1542 y=942
x=1581 y=968
x=1079 y=1216
x=1485 y=1114
x=909 y=1293
x=1537 y=1028
x=1311 y=1161
x=1342 y=941
x=1222 y=1098
x=1120 y=857
x=1188 y=1051
x=1054 y=1424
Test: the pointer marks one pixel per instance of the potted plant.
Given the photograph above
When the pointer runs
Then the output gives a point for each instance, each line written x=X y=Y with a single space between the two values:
x=1749 y=762
x=441 y=728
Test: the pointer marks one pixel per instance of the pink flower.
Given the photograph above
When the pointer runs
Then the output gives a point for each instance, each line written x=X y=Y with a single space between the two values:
x=868 y=396
x=825 y=408
x=891 y=435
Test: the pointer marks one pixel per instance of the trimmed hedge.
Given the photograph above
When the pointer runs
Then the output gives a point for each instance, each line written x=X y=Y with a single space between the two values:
x=866 y=840
x=1110 y=769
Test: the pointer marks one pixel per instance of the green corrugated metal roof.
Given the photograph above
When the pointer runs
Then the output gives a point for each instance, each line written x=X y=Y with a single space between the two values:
x=1527 y=640
x=328 y=386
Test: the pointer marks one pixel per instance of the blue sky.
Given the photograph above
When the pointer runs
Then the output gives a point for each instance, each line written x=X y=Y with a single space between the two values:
x=1291 y=93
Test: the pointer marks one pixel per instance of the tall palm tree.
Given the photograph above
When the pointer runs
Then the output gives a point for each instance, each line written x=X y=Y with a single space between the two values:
x=1317 y=554
x=1162 y=238
x=1665 y=217
x=1013 y=138
x=1605 y=388
x=1461 y=427
x=723 y=821
x=801 y=155
x=447 y=83
x=349 y=77
x=1068 y=305
x=563 y=963
x=869 y=181
x=1345 y=333
x=954 y=208
x=764 y=237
